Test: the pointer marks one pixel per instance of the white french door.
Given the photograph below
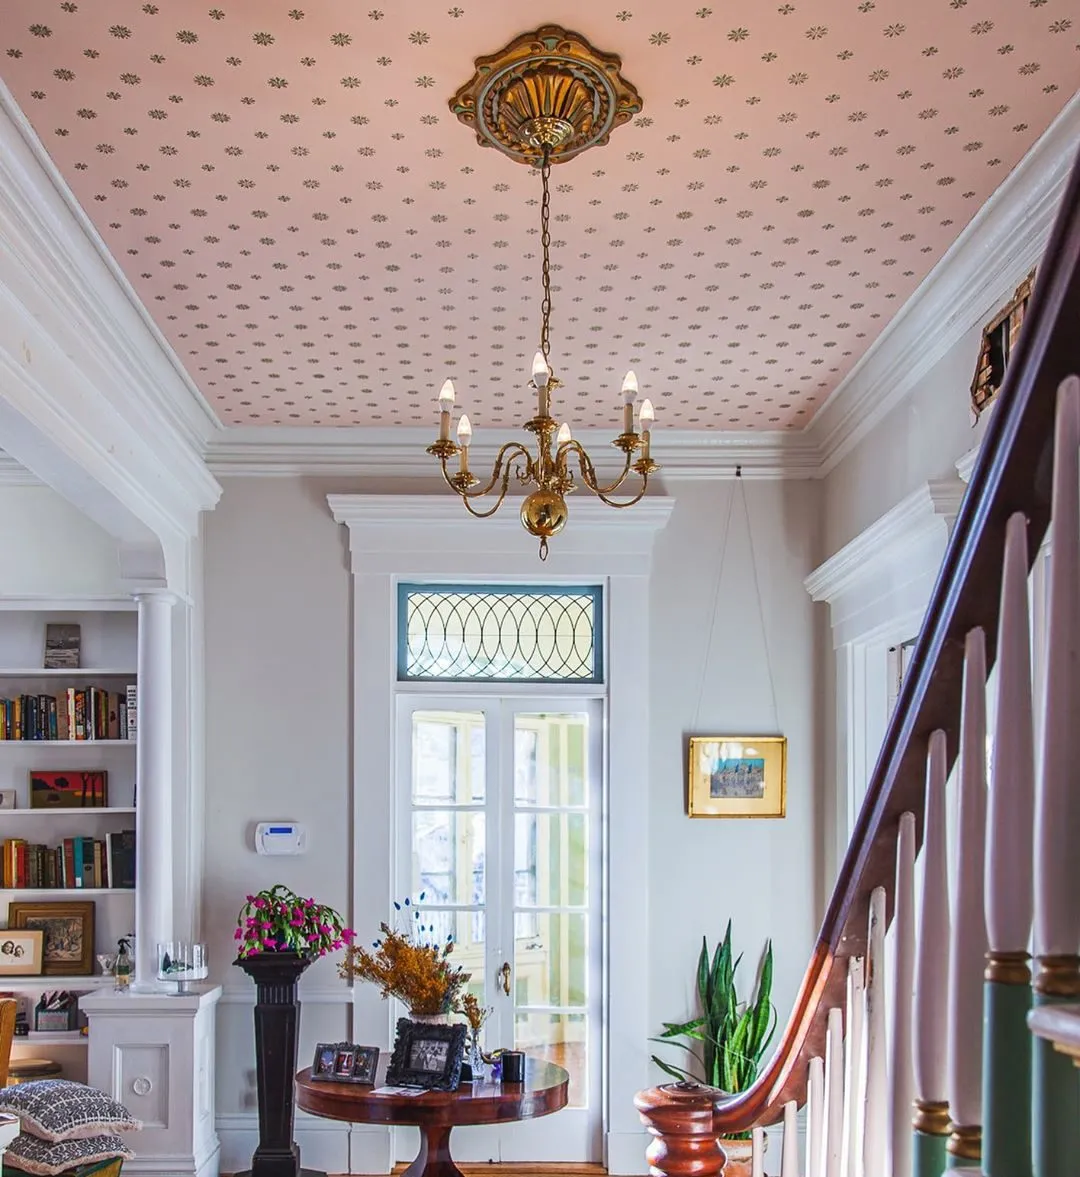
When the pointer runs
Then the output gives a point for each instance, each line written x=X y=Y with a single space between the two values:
x=499 y=827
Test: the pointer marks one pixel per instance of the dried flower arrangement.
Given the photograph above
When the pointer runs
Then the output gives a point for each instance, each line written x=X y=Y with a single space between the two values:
x=278 y=920
x=409 y=965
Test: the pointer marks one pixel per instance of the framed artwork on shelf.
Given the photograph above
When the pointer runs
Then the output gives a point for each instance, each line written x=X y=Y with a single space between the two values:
x=427 y=1056
x=21 y=951
x=63 y=642
x=343 y=1062
x=76 y=788
x=8 y=799
x=737 y=776
x=68 y=929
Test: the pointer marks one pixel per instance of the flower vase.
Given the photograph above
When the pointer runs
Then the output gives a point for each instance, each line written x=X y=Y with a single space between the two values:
x=445 y=1019
x=476 y=1059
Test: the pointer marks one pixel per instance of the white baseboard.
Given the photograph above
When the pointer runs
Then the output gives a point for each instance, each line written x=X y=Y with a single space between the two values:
x=324 y=1144
x=176 y=1165
x=624 y=1153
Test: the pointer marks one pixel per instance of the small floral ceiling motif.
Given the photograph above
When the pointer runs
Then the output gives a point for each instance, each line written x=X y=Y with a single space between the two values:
x=323 y=243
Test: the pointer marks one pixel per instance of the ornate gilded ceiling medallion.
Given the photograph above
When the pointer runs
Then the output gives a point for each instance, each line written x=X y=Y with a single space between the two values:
x=549 y=88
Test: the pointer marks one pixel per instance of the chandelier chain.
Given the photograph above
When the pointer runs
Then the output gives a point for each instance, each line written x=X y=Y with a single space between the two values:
x=545 y=244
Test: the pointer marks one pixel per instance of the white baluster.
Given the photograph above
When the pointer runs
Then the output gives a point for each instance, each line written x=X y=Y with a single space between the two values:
x=789 y=1159
x=1057 y=861
x=757 y=1154
x=815 y=1119
x=875 y=1159
x=1056 y=1128
x=1008 y=884
x=1010 y=819
x=932 y=955
x=833 y=1142
x=901 y=1069
x=969 y=929
x=854 y=1068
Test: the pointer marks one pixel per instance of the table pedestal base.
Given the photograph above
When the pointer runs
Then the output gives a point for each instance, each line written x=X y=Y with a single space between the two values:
x=433 y=1159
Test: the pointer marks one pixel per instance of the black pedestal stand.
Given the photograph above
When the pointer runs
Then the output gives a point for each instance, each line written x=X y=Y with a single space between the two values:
x=277 y=1025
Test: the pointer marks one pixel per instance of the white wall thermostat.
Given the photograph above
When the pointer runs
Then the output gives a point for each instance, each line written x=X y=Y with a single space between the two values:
x=280 y=837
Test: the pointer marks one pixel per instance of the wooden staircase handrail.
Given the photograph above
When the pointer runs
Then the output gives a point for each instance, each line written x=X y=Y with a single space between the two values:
x=1012 y=473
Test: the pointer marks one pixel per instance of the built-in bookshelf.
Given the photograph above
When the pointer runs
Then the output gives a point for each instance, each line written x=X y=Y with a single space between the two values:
x=89 y=696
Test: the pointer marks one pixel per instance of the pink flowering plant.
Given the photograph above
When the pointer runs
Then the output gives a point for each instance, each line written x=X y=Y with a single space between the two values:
x=278 y=920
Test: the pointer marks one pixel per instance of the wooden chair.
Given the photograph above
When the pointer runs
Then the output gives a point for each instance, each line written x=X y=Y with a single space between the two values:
x=8 y=1008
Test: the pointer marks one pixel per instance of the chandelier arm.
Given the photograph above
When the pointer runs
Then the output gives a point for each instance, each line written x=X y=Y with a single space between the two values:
x=588 y=471
x=602 y=495
x=507 y=455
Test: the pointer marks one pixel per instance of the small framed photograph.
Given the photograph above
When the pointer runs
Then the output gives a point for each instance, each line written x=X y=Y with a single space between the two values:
x=427 y=1056
x=21 y=952
x=344 y=1062
x=68 y=930
x=9 y=799
x=73 y=788
x=737 y=776
x=63 y=641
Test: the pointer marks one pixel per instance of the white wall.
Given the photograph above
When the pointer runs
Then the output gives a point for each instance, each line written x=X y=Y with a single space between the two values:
x=765 y=875
x=49 y=549
x=920 y=439
x=277 y=689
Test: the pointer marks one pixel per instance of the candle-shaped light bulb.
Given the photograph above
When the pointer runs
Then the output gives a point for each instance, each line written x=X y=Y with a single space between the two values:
x=645 y=418
x=446 y=403
x=563 y=436
x=540 y=370
x=629 y=392
x=464 y=436
x=541 y=375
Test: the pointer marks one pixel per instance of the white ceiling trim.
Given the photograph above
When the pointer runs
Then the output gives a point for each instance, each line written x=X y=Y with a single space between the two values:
x=98 y=284
x=996 y=249
x=261 y=450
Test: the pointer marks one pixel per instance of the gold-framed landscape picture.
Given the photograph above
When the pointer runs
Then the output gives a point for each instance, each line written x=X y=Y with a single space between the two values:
x=67 y=927
x=737 y=776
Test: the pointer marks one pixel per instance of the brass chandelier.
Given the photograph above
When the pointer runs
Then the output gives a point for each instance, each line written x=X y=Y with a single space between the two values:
x=544 y=98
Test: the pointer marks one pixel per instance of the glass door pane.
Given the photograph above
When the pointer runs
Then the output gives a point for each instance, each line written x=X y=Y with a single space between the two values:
x=552 y=838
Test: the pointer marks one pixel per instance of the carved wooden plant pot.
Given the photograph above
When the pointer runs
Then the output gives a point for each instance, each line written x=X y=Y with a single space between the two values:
x=739 y=1157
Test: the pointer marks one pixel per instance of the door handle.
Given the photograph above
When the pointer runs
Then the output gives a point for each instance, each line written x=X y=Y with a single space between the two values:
x=504 y=974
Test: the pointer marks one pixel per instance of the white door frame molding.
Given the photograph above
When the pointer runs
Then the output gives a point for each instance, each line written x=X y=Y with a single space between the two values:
x=877 y=588
x=395 y=537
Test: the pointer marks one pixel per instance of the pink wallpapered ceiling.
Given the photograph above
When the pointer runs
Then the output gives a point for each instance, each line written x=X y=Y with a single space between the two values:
x=322 y=242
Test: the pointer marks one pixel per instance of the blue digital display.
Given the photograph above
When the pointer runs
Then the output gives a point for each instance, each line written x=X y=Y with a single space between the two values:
x=281 y=830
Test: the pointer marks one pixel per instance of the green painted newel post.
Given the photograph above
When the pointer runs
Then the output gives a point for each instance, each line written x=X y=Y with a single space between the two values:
x=1007 y=1066
x=1056 y=1081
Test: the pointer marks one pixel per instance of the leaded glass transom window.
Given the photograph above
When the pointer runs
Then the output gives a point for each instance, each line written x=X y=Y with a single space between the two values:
x=506 y=633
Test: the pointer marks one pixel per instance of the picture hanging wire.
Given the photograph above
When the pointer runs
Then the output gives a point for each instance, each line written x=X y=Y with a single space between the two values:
x=738 y=490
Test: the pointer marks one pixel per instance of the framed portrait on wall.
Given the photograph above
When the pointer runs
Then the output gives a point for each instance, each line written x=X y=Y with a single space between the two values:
x=737 y=776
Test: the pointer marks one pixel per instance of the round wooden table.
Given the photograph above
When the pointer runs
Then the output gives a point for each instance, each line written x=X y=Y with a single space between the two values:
x=436 y=1113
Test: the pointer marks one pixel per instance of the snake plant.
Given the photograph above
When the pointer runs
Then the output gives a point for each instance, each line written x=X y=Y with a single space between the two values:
x=728 y=1039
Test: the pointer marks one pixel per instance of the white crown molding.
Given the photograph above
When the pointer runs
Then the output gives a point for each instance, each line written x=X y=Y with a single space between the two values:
x=89 y=400
x=887 y=539
x=965 y=464
x=14 y=473
x=400 y=452
x=995 y=250
x=114 y=314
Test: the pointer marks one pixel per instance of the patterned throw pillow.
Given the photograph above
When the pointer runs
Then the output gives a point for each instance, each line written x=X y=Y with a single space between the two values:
x=34 y=1155
x=58 y=1109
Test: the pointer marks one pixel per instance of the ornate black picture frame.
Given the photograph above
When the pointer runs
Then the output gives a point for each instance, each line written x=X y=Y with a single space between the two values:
x=344 y=1062
x=427 y=1056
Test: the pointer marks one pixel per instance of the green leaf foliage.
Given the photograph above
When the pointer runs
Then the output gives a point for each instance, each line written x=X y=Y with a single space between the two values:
x=733 y=1034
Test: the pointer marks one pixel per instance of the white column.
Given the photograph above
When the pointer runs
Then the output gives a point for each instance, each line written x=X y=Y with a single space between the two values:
x=967 y=958
x=932 y=954
x=901 y=1066
x=875 y=1144
x=153 y=774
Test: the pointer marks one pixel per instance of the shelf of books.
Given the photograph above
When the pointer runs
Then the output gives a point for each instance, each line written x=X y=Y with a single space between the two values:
x=68 y=721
